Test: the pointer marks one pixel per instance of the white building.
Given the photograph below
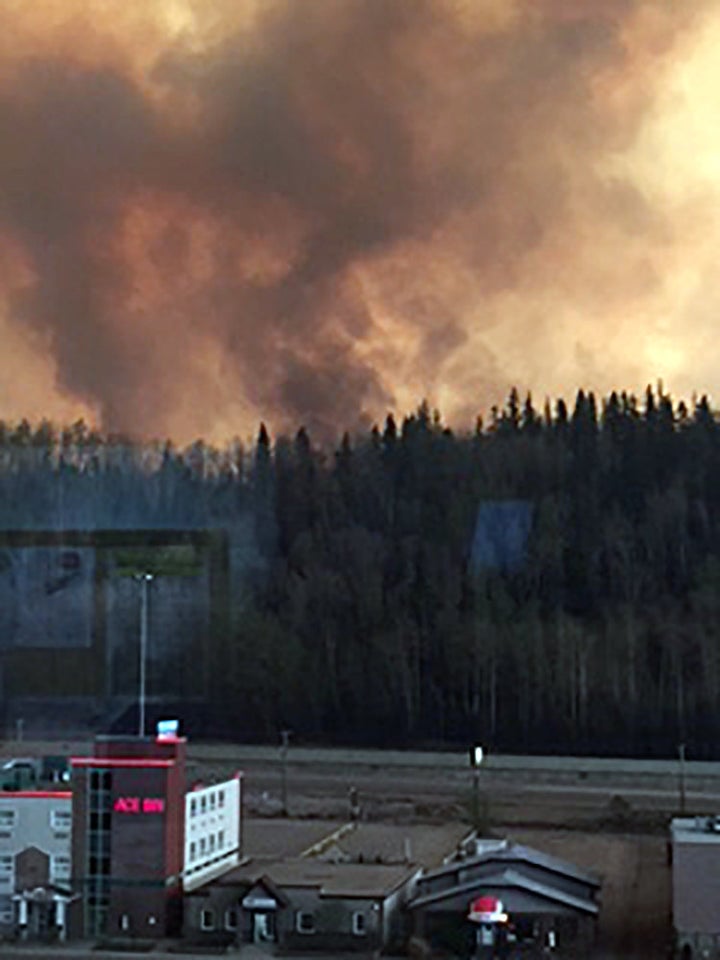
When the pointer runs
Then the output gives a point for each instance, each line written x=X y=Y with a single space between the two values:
x=35 y=866
x=695 y=855
x=213 y=831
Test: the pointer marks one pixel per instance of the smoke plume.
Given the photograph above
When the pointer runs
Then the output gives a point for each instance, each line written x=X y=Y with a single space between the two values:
x=312 y=211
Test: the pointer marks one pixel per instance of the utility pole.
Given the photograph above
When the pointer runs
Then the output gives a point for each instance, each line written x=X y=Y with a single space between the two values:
x=284 y=744
x=145 y=581
x=681 y=752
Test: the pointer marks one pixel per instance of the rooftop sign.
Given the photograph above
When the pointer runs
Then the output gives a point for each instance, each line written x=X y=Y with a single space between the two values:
x=139 y=805
x=487 y=910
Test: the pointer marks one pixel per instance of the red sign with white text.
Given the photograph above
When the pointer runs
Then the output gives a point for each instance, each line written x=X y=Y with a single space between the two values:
x=139 y=805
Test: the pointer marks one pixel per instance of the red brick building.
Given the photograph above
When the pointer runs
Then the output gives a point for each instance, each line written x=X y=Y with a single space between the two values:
x=128 y=837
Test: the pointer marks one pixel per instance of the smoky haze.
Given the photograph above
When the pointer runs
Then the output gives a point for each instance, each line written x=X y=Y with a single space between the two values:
x=313 y=211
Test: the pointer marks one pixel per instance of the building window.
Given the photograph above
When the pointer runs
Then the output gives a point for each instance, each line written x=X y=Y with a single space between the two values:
x=193 y=808
x=359 y=924
x=207 y=919
x=221 y=839
x=202 y=845
x=125 y=921
x=60 y=820
x=212 y=842
x=8 y=819
x=97 y=865
x=7 y=871
x=203 y=803
x=100 y=821
x=212 y=801
x=231 y=919
x=193 y=849
x=221 y=798
x=305 y=922
x=59 y=868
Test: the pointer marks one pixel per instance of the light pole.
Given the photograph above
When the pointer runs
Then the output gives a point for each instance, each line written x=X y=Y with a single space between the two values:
x=681 y=751
x=284 y=744
x=476 y=758
x=145 y=581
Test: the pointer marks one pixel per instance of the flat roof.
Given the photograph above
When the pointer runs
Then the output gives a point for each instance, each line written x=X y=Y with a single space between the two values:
x=35 y=795
x=705 y=829
x=108 y=762
x=332 y=879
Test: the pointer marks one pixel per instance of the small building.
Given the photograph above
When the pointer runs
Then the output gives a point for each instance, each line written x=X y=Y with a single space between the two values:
x=545 y=901
x=304 y=904
x=695 y=858
x=35 y=863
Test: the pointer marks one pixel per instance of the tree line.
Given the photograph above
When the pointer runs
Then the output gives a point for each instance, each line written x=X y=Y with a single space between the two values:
x=364 y=607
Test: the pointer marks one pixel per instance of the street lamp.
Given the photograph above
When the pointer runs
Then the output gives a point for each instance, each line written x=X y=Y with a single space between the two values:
x=476 y=758
x=145 y=579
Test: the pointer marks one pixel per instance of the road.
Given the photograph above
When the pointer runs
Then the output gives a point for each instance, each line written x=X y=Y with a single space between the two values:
x=514 y=786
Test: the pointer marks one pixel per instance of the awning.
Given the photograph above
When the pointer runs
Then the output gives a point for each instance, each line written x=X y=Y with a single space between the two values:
x=259 y=903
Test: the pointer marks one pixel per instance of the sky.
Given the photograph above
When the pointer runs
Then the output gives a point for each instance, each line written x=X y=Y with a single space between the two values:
x=312 y=212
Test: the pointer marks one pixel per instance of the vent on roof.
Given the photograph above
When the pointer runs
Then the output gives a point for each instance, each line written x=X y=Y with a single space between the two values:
x=712 y=824
x=476 y=847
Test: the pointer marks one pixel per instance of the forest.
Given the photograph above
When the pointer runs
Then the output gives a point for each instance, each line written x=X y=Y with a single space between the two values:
x=369 y=609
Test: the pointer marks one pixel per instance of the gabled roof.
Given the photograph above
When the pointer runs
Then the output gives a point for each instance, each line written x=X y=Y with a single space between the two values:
x=265 y=885
x=510 y=852
x=507 y=878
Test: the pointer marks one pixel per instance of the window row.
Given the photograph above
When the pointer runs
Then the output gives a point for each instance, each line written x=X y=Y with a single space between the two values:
x=215 y=800
x=7 y=871
x=305 y=922
x=59 y=868
x=59 y=819
x=8 y=819
x=207 y=845
x=100 y=780
x=207 y=919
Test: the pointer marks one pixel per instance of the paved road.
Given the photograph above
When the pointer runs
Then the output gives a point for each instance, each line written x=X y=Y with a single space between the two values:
x=391 y=787
x=533 y=785
x=513 y=783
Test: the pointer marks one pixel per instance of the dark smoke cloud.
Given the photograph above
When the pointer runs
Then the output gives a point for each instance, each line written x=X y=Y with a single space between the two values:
x=316 y=204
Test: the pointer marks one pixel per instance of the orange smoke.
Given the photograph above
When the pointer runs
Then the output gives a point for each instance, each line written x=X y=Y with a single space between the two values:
x=216 y=212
